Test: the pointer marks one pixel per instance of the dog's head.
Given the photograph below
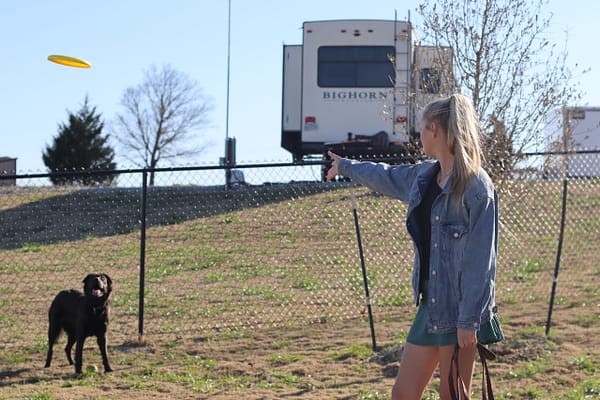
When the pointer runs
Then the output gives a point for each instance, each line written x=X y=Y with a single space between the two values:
x=97 y=286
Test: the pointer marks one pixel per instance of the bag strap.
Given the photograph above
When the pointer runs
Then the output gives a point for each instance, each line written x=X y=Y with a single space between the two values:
x=458 y=390
x=486 y=380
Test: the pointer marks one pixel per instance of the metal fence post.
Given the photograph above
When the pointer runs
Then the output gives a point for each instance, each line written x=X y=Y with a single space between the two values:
x=363 y=268
x=142 y=254
x=558 y=254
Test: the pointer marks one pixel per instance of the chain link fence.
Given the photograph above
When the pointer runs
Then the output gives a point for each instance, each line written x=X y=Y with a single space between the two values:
x=278 y=247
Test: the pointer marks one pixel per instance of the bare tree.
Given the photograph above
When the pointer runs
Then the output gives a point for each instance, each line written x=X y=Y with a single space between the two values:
x=503 y=60
x=161 y=117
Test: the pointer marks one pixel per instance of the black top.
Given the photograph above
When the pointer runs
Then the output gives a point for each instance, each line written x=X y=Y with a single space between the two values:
x=423 y=218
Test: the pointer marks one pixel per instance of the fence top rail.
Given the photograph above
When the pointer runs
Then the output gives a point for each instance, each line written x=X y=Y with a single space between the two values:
x=91 y=172
x=97 y=172
x=560 y=153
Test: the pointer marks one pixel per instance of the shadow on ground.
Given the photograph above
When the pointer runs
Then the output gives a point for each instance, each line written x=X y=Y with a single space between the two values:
x=104 y=212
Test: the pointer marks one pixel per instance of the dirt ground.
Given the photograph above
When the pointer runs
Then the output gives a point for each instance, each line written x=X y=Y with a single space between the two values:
x=328 y=359
x=322 y=361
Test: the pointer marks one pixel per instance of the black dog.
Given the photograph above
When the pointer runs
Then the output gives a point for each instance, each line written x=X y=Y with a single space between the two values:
x=81 y=315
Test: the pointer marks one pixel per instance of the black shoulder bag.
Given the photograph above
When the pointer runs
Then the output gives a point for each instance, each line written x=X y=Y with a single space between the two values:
x=458 y=390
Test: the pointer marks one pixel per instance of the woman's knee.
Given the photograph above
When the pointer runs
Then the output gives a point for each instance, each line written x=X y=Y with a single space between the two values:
x=405 y=392
x=416 y=368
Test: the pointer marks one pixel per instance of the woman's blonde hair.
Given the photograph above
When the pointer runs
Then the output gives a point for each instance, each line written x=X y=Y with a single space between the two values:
x=457 y=117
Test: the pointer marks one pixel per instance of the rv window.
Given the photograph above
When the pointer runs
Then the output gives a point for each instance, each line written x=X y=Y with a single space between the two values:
x=355 y=66
x=430 y=80
x=577 y=114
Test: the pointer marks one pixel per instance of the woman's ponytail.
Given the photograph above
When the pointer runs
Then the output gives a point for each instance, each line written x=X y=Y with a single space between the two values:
x=458 y=118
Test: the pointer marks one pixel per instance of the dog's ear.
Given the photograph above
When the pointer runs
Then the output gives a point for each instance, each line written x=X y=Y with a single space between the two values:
x=86 y=279
x=108 y=280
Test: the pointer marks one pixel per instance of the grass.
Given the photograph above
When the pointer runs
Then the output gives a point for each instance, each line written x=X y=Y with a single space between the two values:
x=263 y=297
x=532 y=368
x=586 y=364
x=357 y=350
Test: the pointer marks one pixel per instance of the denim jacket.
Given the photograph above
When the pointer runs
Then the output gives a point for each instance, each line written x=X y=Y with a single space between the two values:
x=464 y=240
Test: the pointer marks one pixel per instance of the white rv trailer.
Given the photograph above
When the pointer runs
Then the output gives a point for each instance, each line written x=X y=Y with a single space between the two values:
x=581 y=133
x=356 y=86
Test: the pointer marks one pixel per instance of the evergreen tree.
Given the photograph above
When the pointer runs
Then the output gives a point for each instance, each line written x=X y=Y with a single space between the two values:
x=80 y=145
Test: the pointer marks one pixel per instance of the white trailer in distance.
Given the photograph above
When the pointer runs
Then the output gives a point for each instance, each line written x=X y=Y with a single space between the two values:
x=355 y=86
x=581 y=134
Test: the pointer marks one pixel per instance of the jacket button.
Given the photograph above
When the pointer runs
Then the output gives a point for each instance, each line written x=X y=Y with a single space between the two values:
x=435 y=327
x=455 y=235
x=434 y=272
x=435 y=245
x=437 y=217
x=433 y=300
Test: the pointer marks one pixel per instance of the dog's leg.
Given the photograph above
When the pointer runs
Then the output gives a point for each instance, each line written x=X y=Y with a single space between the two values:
x=68 y=347
x=101 y=340
x=53 y=333
x=48 y=356
x=79 y=354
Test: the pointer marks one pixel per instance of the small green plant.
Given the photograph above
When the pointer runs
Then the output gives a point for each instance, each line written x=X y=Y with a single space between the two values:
x=91 y=371
x=527 y=270
x=357 y=350
x=368 y=394
x=214 y=277
x=587 y=320
x=585 y=363
x=399 y=337
x=531 y=393
x=202 y=362
x=530 y=369
x=285 y=377
x=283 y=359
x=40 y=395
x=307 y=284
x=31 y=248
x=229 y=219
x=588 y=389
x=591 y=388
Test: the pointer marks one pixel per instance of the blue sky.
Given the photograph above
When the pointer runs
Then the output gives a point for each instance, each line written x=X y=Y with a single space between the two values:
x=122 y=39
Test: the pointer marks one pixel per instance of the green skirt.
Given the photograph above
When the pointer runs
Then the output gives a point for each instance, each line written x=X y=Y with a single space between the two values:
x=489 y=332
x=418 y=331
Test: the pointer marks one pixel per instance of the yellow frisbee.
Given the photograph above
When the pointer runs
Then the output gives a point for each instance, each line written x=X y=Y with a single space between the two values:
x=69 y=61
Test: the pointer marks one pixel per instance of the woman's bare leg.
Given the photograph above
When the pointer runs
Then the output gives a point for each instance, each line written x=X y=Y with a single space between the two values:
x=466 y=361
x=416 y=368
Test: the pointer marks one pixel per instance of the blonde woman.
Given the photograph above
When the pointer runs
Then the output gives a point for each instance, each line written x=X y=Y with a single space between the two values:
x=452 y=218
